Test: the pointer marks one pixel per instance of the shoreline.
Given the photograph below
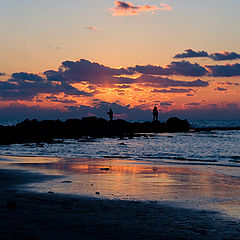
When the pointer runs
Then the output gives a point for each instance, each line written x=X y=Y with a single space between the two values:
x=189 y=186
x=43 y=216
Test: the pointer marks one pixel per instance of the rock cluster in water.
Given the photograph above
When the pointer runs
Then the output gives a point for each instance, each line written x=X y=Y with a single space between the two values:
x=47 y=130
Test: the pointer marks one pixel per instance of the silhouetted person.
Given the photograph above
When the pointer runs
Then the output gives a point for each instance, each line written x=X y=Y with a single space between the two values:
x=110 y=114
x=155 y=114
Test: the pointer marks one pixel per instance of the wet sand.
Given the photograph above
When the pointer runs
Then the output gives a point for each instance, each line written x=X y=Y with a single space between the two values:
x=28 y=215
x=32 y=215
x=188 y=186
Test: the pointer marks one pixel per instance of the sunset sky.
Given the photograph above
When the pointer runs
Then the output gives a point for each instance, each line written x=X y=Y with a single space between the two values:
x=74 y=58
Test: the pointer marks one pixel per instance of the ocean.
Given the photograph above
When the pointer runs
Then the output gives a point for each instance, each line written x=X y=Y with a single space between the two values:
x=193 y=170
x=199 y=148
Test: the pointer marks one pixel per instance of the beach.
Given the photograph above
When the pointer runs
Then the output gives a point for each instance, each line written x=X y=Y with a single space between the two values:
x=32 y=208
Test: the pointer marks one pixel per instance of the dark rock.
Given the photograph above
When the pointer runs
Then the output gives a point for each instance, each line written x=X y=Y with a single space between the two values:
x=40 y=132
x=177 y=125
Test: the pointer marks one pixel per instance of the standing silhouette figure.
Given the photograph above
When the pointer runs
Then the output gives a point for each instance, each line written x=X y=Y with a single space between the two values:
x=155 y=114
x=110 y=114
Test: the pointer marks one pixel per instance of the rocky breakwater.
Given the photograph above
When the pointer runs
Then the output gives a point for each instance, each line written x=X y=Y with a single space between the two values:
x=47 y=130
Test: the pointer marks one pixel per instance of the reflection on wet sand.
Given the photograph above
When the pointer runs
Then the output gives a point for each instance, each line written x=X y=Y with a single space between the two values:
x=125 y=179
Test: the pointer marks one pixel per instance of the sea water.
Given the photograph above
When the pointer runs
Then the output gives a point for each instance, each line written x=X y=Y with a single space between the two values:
x=193 y=170
x=208 y=148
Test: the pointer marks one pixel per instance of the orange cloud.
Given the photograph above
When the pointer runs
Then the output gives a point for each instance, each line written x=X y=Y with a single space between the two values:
x=92 y=28
x=165 y=7
x=126 y=8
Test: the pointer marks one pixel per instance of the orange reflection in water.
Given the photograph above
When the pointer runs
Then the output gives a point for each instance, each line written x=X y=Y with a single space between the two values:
x=144 y=179
x=189 y=186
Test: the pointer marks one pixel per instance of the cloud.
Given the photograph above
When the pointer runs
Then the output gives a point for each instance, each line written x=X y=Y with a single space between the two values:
x=123 y=8
x=166 y=103
x=92 y=75
x=92 y=28
x=184 y=68
x=150 y=69
x=165 y=7
x=224 y=56
x=55 y=99
x=86 y=71
x=24 y=86
x=189 y=53
x=96 y=74
x=220 y=89
x=153 y=81
x=228 y=83
x=172 y=90
x=218 y=56
x=228 y=70
x=2 y=74
x=192 y=104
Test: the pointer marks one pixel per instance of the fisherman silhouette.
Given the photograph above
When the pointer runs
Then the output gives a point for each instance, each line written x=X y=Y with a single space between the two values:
x=155 y=114
x=110 y=114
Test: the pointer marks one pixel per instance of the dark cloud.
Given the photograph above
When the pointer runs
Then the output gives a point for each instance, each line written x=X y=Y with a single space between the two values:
x=2 y=74
x=229 y=70
x=219 y=56
x=54 y=76
x=150 y=69
x=224 y=56
x=166 y=103
x=86 y=68
x=26 y=77
x=189 y=53
x=91 y=72
x=220 y=89
x=172 y=90
x=228 y=83
x=55 y=99
x=184 y=68
x=24 y=86
x=192 y=104
x=84 y=71
x=152 y=81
